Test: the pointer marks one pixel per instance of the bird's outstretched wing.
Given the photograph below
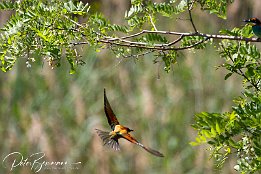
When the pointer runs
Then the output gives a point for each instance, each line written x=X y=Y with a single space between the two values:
x=107 y=140
x=133 y=140
x=112 y=120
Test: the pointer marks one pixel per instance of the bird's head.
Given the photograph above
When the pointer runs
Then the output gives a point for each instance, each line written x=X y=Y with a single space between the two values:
x=253 y=21
x=129 y=130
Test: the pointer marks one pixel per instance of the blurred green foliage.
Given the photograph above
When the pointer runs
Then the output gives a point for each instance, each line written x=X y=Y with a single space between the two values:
x=51 y=111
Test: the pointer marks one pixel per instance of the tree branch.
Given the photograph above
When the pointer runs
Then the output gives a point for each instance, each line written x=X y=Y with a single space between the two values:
x=122 y=41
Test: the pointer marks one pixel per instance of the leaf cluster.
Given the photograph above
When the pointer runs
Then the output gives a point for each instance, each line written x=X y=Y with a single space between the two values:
x=239 y=131
x=41 y=31
x=48 y=31
x=218 y=7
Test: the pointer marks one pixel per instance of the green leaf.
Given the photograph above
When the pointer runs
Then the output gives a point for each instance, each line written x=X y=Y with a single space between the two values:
x=8 y=5
x=228 y=75
x=213 y=132
x=218 y=128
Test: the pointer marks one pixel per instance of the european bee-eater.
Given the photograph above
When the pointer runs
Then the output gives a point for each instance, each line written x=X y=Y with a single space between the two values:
x=118 y=131
x=256 y=26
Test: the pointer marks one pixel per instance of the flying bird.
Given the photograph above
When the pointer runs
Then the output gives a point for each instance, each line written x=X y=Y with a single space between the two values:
x=256 y=26
x=118 y=131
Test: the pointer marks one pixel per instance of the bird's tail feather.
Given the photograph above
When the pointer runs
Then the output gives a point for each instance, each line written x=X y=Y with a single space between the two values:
x=107 y=140
x=152 y=151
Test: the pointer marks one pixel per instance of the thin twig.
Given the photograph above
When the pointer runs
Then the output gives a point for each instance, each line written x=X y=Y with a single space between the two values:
x=126 y=37
x=152 y=23
x=76 y=23
x=175 y=41
x=190 y=16
x=138 y=55
x=193 y=45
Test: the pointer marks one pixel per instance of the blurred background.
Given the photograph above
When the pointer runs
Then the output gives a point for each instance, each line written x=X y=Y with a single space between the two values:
x=51 y=111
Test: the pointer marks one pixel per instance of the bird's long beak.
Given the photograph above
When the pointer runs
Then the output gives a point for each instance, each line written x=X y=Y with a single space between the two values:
x=247 y=20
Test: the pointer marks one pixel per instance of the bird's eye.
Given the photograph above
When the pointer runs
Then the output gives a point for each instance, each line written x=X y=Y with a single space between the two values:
x=129 y=130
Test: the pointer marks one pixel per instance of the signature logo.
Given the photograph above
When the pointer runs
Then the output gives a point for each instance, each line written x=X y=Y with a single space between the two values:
x=35 y=162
